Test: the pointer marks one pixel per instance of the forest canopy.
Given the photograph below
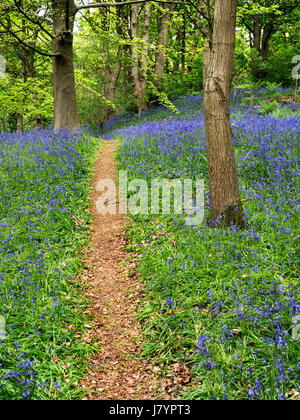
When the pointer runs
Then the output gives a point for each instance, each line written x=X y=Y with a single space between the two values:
x=127 y=57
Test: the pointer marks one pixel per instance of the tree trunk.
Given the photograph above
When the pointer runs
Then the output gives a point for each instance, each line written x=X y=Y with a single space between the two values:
x=225 y=202
x=27 y=56
x=135 y=58
x=207 y=51
x=140 y=78
x=111 y=87
x=261 y=36
x=65 y=105
x=145 y=53
x=162 y=42
x=183 y=45
x=205 y=8
x=32 y=74
x=256 y=34
x=22 y=55
x=267 y=32
x=19 y=122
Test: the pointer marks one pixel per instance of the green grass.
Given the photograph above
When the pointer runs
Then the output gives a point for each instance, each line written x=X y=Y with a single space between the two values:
x=45 y=221
x=221 y=301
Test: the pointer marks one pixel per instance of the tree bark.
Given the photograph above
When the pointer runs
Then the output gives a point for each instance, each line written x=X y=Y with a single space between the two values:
x=261 y=33
x=267 y=32
x=139 y=78
x=162 y=42
x=261 y=38
x=225 y=202
x=207 y=52
x=22 y=55
x=183 y=45
x=32 y=74
x=256 y=34
x=111 y=86
x=19 y=122
x=205 y=8
x=65 y=105
x=145 y=53
x=135 y=57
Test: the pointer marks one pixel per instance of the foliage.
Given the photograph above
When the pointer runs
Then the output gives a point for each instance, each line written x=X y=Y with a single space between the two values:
x=24 y=98
x=103 y=43
x=279 y=64
x=43 y=227
x=221 y=301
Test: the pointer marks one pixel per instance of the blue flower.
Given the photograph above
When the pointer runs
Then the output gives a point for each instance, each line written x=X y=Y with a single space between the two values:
x=57 y=384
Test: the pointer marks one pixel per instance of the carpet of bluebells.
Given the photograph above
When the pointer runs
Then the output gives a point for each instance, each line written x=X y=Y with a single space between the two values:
x=222 y=301
x=43 y=222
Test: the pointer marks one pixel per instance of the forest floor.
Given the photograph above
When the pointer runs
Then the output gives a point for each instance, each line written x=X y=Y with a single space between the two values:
x=174 y=311
x=116 y=371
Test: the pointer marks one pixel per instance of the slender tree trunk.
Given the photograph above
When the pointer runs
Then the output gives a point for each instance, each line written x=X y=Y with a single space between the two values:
x=267 y=32
x=22 y=54
x=206 y=8
x=135 y=58
x=195 y=48
x=261 y=36
x=112 y=85
x=207 y=52
x=32 y=74
x=163 y=28
x=162 y=42
x=27 y=57
x=257 y=71
x=112 y=73
x=256 y=34
x=19 y=122
x=183 y=45
x=65 y=105
x=125 y=76
x=20 y=118
x=140 y=77
x=145 y=54
x=225 y=202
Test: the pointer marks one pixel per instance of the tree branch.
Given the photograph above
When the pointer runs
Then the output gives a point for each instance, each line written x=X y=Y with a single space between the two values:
x=32 y=20
x=28 y=45
x=97 y=5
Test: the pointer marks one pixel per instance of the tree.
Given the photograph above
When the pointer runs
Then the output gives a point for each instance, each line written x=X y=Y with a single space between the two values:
x=206 y=10
x=22 y=89
x=65 y=104
x=263 y=18
x=140 y=50
x=163 y=27
x=139 y=55
x=62 y=15
x=225 y=202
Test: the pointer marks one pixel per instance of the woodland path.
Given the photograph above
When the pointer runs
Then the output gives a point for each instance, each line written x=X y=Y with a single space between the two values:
x=116 y=372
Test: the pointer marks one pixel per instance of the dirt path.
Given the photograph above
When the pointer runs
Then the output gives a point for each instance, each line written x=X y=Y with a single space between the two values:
x=115 y=372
